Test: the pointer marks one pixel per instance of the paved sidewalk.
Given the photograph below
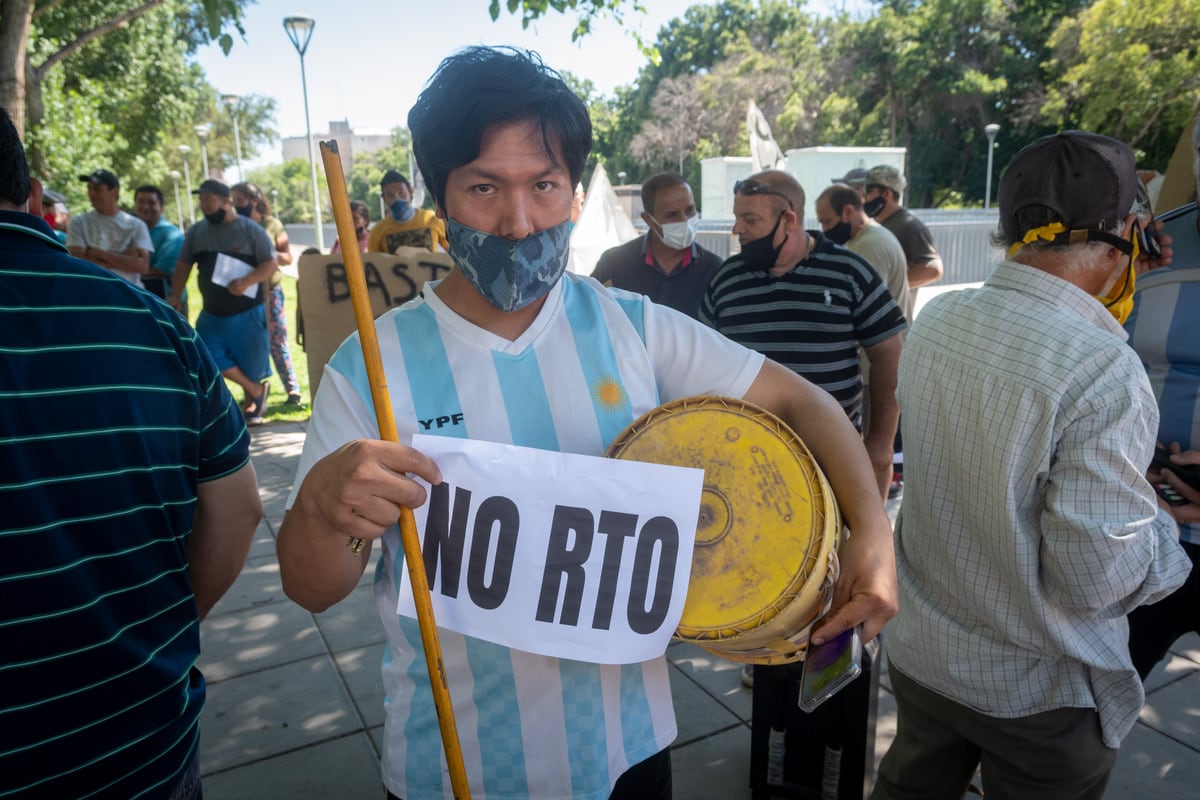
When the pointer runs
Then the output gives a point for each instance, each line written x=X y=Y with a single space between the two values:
x=295 y=700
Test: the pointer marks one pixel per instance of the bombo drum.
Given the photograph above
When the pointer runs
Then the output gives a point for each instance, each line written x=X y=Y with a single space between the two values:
x=765 y=559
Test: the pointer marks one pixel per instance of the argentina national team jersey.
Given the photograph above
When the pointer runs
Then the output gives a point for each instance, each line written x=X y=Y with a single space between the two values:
x=593 y=360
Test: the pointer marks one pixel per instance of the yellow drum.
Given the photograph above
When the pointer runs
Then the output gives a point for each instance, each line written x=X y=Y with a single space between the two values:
x=765 y=560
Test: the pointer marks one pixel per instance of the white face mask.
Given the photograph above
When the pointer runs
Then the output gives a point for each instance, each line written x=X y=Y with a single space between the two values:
x=679 y=235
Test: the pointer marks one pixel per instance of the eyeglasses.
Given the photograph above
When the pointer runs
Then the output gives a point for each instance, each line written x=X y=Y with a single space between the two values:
x=749 y=187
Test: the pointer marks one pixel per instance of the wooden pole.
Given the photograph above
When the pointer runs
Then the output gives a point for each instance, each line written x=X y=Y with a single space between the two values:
x=413 y=559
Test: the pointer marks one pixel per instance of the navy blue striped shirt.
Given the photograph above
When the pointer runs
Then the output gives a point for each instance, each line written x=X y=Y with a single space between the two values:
x=810 y=319
x=111 y=412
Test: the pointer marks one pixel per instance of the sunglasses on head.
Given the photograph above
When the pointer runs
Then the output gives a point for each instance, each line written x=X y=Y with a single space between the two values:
x=749 y=187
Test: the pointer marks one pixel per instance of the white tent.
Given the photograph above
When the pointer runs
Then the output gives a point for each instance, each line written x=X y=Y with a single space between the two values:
x=602 y=224
x=764 y=151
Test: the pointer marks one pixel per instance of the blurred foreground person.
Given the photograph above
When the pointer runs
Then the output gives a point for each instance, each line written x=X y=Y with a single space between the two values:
x=129 y=505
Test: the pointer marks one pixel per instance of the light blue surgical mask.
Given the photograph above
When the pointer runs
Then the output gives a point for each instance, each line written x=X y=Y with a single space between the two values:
x=510 y=273
x=402 y=210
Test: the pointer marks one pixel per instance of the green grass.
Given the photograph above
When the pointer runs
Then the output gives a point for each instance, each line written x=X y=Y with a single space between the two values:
x=277 y=408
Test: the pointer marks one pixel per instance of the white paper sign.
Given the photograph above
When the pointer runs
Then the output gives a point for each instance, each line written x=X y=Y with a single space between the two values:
x=227 y=269
x=559 y=554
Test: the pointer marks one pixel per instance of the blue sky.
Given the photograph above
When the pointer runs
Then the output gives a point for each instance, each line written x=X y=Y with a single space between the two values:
x=368 y=59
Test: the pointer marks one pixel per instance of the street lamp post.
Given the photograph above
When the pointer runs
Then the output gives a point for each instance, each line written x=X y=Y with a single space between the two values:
x=202 y=134
x=187 y=181
x=991 y=129
x=299 y=30
x=231 y=100
x=178 y=205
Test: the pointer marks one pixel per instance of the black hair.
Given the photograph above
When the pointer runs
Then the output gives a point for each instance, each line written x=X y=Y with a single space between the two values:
x=258 y=198
x=655 y=184
x=840 y=195
x=153 y=190
x=15 y=184
x=478 y=87
x=360 y=206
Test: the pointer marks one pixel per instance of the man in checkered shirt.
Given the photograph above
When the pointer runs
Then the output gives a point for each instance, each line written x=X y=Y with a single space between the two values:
x=1028 y=529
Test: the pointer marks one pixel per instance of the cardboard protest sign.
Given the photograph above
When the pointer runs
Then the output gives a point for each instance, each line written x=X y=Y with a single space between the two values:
x=324 y=295
x=560 y=554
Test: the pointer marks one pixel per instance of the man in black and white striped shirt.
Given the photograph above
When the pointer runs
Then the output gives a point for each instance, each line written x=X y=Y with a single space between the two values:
x=806 y=302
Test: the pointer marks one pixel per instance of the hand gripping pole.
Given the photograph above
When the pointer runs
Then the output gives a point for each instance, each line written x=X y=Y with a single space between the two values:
x=413 y=559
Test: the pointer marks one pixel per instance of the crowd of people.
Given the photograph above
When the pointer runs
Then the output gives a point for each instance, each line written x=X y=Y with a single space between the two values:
x=1039 y=569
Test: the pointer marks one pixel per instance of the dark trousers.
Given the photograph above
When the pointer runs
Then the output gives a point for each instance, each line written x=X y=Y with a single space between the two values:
x=646 y=780
x=1154 y=628
x=939 y=743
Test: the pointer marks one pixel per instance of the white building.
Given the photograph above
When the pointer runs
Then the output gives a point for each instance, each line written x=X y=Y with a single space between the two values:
x=350 y=142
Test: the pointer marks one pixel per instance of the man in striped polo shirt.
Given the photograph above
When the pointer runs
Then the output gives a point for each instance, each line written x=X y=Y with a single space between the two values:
x=129 y=503
x=807 y=303
x=509 y=349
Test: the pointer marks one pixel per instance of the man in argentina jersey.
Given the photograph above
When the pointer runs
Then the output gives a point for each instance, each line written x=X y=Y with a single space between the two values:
x=507 y=349
x=128 y=506
x=799 y=299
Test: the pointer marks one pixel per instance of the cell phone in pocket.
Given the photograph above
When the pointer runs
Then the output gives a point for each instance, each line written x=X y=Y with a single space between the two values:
x=829 y=667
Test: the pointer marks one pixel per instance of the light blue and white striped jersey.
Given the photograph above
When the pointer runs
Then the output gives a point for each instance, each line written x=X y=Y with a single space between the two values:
x=1164 y=329
x=592 y=361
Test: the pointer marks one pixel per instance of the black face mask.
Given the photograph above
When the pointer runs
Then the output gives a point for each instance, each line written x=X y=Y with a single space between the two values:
x=762 y=253
x=840 y=233
x=216 y=217
x=873 y=207
x=244 y=211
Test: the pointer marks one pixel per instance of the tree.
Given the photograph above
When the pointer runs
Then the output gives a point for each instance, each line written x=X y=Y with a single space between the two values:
x=65 y=28
x=693 y=45
x=289 y=187
x=673 y=129
x=1130 y=70
x=127 y=101
x=531 y=10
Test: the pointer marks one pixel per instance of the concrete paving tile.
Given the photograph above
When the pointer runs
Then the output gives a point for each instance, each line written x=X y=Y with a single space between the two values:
x=274 y=711
x=257 y=585
x=885 y=724
x=257 y=638
x=697 y=712
x=1169 y=670
x=1188 y=647
x=347 y=767
x=263 y=544
x=377 y=738
x=1152 y=766
x=1175 y=711
x=275 y=451
x=361 y=673
x=352 y=623
x=714 y=767
x=718 y=677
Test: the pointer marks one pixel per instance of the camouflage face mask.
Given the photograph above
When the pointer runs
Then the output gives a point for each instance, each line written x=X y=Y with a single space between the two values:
x=510 y=274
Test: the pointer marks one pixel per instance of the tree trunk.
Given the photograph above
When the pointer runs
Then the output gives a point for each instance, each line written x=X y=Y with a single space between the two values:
x=15 y=17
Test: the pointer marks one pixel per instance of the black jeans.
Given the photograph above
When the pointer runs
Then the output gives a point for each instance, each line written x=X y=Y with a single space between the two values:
x=646 y=780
